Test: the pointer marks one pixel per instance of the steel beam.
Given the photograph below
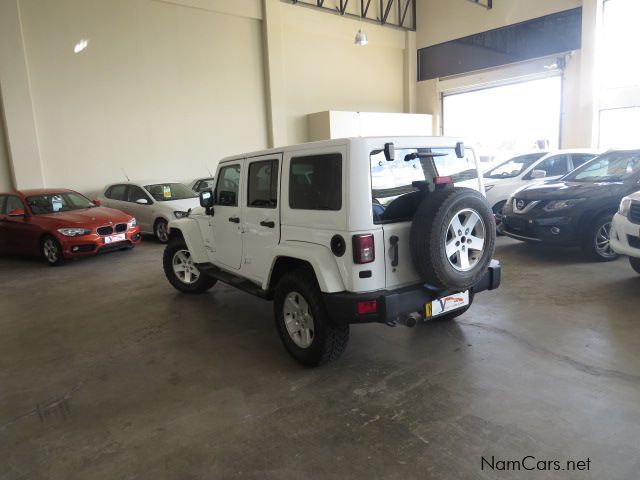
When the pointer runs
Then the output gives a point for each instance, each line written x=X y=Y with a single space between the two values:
x=384 y=11
x=488 y=4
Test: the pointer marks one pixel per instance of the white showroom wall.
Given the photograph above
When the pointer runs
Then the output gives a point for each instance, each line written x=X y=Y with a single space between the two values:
x=158 y=91
x=164 y=87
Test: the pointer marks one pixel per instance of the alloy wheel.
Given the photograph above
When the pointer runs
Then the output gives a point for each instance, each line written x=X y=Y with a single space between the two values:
x=465 y=239
x=298 y=320
x=161 y=232
x=183 y=267
x=603 y=241
x=50 y=250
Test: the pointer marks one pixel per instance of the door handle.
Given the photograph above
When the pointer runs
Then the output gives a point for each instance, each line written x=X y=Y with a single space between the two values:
x=394 y=248
x=234 y=219
x=268 y=224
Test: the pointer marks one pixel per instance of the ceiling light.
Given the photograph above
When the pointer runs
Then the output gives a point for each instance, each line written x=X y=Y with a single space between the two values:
x=81 y=45
x=361 y=38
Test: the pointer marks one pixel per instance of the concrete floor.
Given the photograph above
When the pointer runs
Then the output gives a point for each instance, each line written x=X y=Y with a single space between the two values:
x=106 y=372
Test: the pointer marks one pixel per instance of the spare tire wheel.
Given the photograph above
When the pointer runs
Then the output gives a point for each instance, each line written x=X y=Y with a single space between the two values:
x=453 y=237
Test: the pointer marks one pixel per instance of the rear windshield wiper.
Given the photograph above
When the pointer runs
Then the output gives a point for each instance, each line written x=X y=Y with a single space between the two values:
x=414 y=156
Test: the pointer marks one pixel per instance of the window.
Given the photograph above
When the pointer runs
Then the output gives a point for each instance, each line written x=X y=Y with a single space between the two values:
x=13 y=203
x=554 y=166
x=202 y=185
x=166 y=192
x=315 y=182
x=397 y=187
x=136 y=193
x=618 y=127
x=228 y=186
x=58 y=202
x=580 y=159
x=263 y=184
x=117 y=192
x=2 y=199
x=620 y=166
x=619 y=44
x=514 y=166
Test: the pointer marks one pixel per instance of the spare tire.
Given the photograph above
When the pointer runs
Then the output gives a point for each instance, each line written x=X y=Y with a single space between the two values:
x=453 y=238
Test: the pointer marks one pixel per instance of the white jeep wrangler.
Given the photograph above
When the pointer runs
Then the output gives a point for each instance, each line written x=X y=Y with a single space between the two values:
x=342 y=231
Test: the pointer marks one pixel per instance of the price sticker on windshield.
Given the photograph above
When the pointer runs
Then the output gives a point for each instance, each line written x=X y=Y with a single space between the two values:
x=166 y=190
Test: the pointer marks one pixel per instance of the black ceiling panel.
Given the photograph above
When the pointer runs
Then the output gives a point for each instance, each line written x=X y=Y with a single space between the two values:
x=541 y=37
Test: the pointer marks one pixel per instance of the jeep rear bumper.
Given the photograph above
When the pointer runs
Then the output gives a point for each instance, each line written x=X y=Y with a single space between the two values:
x=393 y=304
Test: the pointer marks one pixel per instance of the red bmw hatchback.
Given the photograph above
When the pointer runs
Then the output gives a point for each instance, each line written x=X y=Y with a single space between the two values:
x=61 y=224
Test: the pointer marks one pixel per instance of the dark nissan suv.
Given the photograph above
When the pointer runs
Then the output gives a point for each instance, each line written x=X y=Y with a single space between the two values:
x=577 y=209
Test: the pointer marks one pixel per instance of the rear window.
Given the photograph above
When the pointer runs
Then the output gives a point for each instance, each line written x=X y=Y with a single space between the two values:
x=396 y=185
x=117 y=192
x=315 y=182
x=167 y=192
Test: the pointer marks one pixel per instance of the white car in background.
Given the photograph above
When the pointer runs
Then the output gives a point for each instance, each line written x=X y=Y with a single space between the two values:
x=535 y=167
x=200 y=184
x=625 y=230
x=153 y=204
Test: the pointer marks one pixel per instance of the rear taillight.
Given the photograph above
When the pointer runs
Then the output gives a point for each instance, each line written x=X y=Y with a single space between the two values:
x=364 y=250
x=367 y=307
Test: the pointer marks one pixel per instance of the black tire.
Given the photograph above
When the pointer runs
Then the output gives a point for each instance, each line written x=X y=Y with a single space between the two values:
x=160 y=230
x=328 y=341
x=51 y=251
x=592 y=237
x=635 y=264
x=497 y=212
x=430 y=232
x=203 y=282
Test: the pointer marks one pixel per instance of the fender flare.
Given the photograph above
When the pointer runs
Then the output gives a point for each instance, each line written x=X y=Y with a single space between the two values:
x=319 y=256
x=192 y=235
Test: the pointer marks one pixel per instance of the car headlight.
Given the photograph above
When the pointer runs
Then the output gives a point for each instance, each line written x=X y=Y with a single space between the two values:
x=488 y=187
x=74 y=232
x=132 y=223
x=561 y=204
x=179 y=214
x=625 y=206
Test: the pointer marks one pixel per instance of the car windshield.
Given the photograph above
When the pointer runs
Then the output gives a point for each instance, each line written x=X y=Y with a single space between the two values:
x=514 y=166
x=165 y=192
x=618 y=166
x=396 y=184
x=58 y=202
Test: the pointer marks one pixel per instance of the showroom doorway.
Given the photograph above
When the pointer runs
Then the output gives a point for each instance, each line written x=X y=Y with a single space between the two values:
x=506 y=120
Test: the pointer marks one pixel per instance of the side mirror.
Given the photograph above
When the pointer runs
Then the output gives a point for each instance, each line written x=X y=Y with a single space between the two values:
x=227 y=198
x=16 y=212
x=460 y=149
x=142 y=201
x=538 y=174
x=97 y=202
x=206 y=198
x=389 y=151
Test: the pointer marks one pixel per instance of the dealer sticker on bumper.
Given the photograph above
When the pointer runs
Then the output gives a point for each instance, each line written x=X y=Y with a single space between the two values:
x=115 y=238
x=447 y=304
